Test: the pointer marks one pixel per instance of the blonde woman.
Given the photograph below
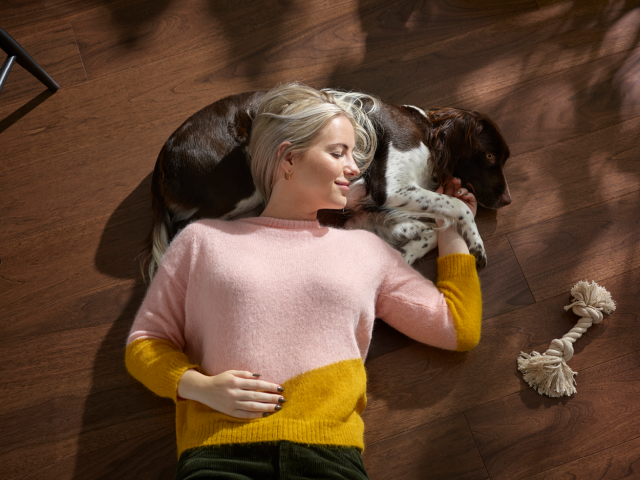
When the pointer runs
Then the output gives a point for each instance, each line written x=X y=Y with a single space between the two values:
x=258 y=328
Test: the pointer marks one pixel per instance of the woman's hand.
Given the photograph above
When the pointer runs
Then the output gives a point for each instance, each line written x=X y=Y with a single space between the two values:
x=236 y=393
x=453 y=189
x=449 y=240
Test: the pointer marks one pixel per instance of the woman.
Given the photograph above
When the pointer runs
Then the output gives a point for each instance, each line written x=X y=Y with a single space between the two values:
x=283 y=296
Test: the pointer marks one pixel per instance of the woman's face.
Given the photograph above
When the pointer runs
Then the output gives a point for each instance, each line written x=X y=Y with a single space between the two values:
x=328 y=163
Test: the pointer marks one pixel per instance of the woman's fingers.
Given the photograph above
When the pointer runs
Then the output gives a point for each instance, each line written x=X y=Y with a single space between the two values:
x=255 y=384
x=267 y=398
x=255 y=397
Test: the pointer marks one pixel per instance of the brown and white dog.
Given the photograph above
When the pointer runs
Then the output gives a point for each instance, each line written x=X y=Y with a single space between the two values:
x=202 y=171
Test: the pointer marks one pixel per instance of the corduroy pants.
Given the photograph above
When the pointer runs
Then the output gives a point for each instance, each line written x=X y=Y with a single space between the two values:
x=283 y=460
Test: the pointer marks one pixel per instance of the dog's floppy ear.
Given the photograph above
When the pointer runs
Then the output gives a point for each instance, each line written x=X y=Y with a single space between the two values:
x=241 y=125
x=453 y=134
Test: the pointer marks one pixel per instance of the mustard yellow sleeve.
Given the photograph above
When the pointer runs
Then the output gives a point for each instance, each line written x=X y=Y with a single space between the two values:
x=459 y=283
x=158 y=365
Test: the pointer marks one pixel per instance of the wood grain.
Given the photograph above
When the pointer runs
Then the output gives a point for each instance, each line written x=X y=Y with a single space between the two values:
x=67 y=338
x=85 y=183
x=443 y=449
x=597 y=242
x=619 y=461
x=568 y=176
x=26 y=17
x=148 y=457
x=69 y=374
x=141 y=38
x=525 y=433
x=419 y=384
x=565 y=104
x=86 y=256
x=474 y=57
x=57 y=53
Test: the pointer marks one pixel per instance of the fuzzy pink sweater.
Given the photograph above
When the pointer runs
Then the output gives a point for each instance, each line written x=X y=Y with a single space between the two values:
x=296 y=302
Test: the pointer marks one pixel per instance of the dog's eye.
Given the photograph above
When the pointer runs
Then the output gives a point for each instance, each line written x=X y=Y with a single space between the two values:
x=491 y=157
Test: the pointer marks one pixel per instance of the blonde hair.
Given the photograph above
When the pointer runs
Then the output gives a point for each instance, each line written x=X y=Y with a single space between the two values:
x=297 y=113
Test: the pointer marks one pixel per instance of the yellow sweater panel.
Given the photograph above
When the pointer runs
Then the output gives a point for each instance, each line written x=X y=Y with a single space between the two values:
x=459 y=283
x=319 y=408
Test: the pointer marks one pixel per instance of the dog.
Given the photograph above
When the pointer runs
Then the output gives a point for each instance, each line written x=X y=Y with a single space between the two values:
x=202 y=171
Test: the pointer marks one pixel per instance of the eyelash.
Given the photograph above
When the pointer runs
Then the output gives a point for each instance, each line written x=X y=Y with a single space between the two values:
x=336 y=155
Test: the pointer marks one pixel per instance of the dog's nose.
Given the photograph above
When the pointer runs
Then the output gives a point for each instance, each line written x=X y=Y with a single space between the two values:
x=505 y=199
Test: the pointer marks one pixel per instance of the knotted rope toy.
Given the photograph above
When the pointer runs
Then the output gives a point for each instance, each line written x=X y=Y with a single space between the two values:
x=549 y=373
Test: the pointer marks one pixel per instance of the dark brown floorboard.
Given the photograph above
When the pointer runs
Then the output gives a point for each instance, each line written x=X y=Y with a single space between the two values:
x=558 y=77
x=418 y=453
x=96 y=179
x=524 y=433
x=481 y=57
x=597 y=242
x=618 y=461
x=71 y=260
x=57 y=52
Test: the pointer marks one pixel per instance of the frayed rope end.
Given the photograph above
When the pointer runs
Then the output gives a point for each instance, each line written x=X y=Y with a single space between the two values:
x=549 y=375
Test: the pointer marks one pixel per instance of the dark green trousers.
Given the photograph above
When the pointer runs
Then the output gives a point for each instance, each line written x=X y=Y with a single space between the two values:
x=282 y=460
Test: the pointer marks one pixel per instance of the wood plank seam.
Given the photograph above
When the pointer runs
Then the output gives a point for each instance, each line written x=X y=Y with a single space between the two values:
x=476 y=444
x=79 y=52
x=610 y=447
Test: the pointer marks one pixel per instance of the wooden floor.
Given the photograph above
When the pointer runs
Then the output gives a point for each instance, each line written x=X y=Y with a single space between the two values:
x=560 y=78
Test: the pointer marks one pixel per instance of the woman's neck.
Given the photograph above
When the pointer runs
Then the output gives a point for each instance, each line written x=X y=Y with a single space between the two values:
x=273 y=211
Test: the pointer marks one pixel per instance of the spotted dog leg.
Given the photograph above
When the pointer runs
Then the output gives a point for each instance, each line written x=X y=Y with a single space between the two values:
x=409 y=201
x=413 y=238
x=418 y=247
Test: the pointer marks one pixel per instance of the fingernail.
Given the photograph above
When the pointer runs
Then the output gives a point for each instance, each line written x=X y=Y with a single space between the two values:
x=458 y=192
x=256 y=374
x=282 y=400
x=280 y=389
x=278 y=407
x=266 y=414
x=465 y=194
x=456 y=178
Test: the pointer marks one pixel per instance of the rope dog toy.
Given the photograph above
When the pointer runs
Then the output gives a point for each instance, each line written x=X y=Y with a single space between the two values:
x=549 y=373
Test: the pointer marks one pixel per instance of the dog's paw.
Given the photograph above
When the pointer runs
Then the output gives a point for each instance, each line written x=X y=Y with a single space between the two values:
x=409 y=257
x=481 y=256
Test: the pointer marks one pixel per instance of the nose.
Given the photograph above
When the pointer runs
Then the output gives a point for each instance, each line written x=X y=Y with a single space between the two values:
x=352 y=166
x=505 y=199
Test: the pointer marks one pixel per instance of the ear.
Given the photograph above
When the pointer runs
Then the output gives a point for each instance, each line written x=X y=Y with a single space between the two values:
x=454 y=134
x=441 y=141
x=241 y=125
x=285 y=156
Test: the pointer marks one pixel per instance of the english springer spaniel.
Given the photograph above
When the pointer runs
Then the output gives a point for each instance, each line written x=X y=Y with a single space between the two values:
x=202 y=172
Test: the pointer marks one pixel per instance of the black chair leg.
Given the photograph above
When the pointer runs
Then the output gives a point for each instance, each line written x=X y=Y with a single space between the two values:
x=13 y=49
x=4 y=71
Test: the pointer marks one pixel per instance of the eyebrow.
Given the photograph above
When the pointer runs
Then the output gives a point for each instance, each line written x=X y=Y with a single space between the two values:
x=339 y=145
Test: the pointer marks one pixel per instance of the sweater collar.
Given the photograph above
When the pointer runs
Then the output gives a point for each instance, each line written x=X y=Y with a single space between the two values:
x=284 y=224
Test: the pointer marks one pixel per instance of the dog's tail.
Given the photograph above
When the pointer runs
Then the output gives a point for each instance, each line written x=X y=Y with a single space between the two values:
x=157 y=242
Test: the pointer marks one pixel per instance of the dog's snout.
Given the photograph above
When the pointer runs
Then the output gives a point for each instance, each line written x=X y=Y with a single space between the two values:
x=505 y=199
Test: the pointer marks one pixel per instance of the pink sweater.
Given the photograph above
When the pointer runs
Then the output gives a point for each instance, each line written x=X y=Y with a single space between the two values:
x=296 y=302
